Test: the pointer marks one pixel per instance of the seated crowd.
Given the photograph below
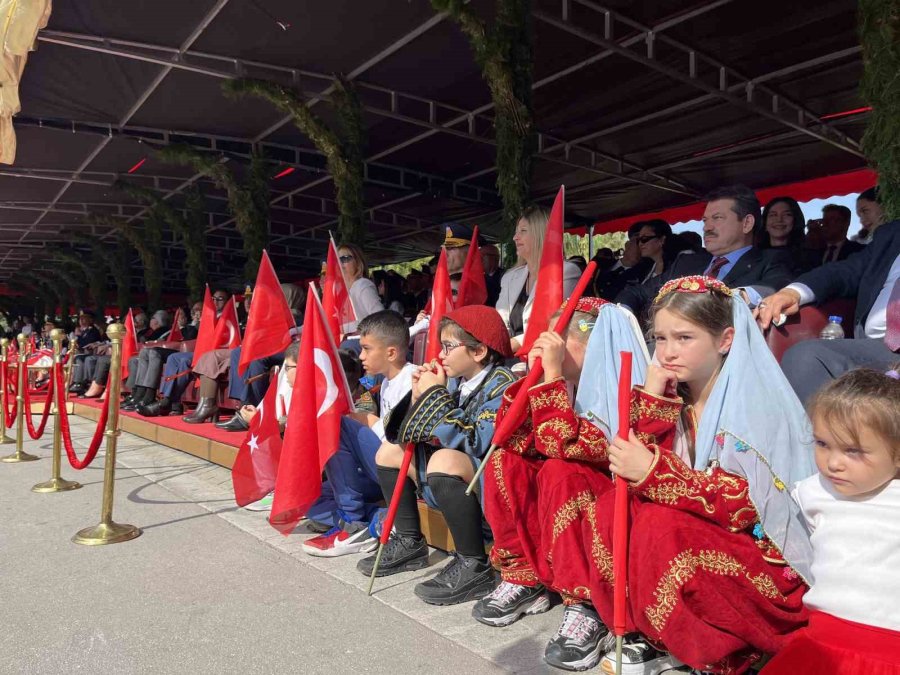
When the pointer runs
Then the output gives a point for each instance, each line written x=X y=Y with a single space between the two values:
x=762 y=532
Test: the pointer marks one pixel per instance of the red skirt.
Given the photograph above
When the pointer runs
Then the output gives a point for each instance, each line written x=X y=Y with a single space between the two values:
x=833 y=645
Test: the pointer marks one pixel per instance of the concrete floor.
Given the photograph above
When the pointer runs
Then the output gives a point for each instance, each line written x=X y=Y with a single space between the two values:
x=209 y=587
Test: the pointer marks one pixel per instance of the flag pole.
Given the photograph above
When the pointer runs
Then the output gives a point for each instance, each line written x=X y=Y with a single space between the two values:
x=512 y=418
x=620 y=517
x=388 y=523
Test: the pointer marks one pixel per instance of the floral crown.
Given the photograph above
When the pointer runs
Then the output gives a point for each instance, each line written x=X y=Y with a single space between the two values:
x=693 y=284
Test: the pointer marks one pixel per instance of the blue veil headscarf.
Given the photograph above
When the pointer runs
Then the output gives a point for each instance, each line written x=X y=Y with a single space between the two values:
x=754 y=426
x=597 y=400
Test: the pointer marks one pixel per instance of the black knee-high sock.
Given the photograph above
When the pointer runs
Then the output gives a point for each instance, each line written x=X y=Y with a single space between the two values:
x=462 y=513
x=406 y=522
x=149 y=396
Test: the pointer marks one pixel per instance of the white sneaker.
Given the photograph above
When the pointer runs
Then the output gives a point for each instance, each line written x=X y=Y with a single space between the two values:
x=337 y=542
x=639 y=657
x=264 y=504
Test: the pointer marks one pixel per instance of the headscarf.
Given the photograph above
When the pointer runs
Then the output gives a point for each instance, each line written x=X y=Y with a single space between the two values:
x=754 y=426
x=615 y=330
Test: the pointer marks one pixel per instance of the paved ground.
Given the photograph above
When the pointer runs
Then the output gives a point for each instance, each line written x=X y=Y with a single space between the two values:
x=209 y=588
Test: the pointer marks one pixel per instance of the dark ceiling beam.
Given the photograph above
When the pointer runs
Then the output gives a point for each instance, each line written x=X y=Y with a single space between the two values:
x=779 y=107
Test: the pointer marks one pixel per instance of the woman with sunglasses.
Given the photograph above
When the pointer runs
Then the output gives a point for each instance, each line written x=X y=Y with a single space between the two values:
x=363 y=293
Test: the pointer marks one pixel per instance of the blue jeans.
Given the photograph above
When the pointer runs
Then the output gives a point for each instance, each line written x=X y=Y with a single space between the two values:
x=352 y=477
x=176 y=363
x=254 y=392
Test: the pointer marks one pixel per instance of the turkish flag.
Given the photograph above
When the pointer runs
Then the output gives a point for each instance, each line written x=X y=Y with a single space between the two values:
x=441 y=303
x=256 y=465
x=129 y=343
x=206 y=333
x=228 y=331
x=336 y=298
x=319 y=398
x=548 y=291
x=472 y=287
x=270 y=320
x=175 y=334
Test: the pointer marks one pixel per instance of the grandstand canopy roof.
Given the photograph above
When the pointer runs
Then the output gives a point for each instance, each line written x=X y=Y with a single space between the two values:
x=641 y=105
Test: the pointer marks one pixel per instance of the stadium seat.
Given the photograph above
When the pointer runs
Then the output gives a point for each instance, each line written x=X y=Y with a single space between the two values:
x=808 y=323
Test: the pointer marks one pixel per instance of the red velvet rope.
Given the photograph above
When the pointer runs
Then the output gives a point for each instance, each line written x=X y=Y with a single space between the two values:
x=67 y=435
x=9 y=417
x=35 y=435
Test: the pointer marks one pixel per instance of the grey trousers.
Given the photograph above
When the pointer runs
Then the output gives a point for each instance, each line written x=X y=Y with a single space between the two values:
x=145 y=369
x=811 y=364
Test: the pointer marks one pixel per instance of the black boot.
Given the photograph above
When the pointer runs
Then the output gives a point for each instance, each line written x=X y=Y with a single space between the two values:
x=206 y=410
x=236 y=423
x=160 y=408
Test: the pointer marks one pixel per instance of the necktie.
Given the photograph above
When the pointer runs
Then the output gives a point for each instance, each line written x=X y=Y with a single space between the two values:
x=892 y=334
x=829 y=254
x=717 y=264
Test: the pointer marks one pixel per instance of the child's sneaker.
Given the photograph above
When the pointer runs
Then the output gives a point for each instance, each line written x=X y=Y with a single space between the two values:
x=639 y=657
x=401 y=554
x=510 y=601
x=580 y=641
x=461 y=580
x=338 y=541
x=264 y=504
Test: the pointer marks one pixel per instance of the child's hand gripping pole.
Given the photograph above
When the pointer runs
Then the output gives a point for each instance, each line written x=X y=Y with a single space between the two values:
x=388 y=523
x=513 y=418
x=620 y=518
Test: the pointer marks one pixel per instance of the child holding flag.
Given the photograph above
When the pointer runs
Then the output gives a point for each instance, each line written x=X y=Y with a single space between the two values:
x=450 y=415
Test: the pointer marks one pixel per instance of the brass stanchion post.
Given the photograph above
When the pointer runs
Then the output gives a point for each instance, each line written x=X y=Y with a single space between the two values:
x=20 y=455
x=4 y=356
x=57 y=483
x=107 y=531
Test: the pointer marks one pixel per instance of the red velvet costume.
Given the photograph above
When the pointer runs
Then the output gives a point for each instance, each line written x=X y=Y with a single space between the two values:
x=539 y=494
x=700 y=583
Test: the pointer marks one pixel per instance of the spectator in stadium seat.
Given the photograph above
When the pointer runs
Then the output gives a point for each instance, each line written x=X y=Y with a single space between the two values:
x=730 y=222
x=871 y=215
x=835 y=224
x=873 y=278
x=493 y=273
x=363 y=293
x=608 y=281
x=518 y=284
x=784 y=230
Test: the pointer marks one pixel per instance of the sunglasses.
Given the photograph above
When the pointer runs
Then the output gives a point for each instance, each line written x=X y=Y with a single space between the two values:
x=219 y=298
x=345 y=259
x=646 y=238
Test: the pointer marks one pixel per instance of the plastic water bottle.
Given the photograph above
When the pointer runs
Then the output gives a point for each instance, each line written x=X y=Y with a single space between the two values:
x=833 y=330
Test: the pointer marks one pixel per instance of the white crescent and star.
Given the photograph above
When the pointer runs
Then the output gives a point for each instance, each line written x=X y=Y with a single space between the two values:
x=323 y=363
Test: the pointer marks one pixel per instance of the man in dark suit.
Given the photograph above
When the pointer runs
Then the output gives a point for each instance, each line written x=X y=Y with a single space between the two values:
x=732 y=215
x=835 y=225
x=872 y=276
x=490 y=260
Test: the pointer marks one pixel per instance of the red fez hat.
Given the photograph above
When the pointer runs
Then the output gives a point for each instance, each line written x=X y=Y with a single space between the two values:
x=485 y=325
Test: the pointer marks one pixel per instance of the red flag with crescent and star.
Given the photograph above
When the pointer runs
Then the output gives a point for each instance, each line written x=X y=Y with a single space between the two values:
x=472 y=286
x=129 y=343
x=441 y=303
x=256 y=465
x=207 y=329
x=175 y=334
x=228 y=331
x=270 y=321
x=336 y=298
x=319 y=399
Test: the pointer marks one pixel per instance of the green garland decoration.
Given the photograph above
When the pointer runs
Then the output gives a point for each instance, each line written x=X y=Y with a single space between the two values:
x=343 y=148
x=248 y=201
x=189 y=226
x=148 y=243
x=504 y=54
x=879 y=32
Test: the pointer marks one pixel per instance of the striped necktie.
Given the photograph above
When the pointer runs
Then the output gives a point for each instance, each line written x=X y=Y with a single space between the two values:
x=717 y=265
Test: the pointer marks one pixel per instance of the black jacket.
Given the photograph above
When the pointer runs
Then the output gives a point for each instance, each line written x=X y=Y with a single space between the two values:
x=861 y=276
x=764 y=270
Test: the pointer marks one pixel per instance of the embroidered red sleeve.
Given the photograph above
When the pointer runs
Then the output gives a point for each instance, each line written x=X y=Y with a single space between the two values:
x=558 y=431
x=654 y=418
x=717 y=495
x=522 y=440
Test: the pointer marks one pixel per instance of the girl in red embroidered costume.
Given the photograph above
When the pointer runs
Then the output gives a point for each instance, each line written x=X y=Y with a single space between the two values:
x=540 y=489
x=716 y=543
x=852 y=507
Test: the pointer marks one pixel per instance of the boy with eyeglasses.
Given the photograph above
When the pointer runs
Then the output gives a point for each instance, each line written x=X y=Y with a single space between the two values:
x=450 y=415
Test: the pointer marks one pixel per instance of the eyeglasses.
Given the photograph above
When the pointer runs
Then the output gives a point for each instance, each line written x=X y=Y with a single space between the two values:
x=447 y=347
x=219 y=298
x=646 y=238
x=345 y=259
